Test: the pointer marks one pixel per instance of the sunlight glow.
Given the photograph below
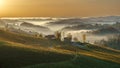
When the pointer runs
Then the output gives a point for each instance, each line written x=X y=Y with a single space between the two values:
x=1 y=3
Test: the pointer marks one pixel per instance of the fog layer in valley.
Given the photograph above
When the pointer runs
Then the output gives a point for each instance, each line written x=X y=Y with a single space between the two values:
x=95 y=28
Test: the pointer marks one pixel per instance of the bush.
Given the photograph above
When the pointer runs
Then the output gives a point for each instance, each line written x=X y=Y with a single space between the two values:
x=113 y=41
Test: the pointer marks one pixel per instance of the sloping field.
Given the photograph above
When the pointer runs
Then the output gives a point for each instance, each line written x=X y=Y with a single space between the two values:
x=21 y=51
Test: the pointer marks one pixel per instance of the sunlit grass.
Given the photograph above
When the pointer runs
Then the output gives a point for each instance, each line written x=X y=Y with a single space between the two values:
x=22 y=51
x=13 y=55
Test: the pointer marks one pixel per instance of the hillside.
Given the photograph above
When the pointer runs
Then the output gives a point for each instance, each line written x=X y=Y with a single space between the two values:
x=107 y=30
x=30 y=52
x=26 y=39
x=25 y=24
x=17 y=55
x=71 y=21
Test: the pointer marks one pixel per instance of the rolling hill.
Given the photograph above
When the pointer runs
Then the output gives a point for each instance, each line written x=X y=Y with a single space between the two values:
x=22 y=51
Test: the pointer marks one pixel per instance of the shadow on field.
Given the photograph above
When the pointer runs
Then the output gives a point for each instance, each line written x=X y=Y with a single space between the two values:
x=1 y=65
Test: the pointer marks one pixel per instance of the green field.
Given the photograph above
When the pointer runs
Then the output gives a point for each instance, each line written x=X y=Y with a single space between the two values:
x=21 y=51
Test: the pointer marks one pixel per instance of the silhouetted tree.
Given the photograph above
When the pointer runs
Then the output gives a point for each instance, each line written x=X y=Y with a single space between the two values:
x=75 y=39
x=84 y=38
x=58 y=35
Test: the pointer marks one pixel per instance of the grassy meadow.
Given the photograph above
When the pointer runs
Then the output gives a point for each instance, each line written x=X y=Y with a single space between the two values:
x=22 y=51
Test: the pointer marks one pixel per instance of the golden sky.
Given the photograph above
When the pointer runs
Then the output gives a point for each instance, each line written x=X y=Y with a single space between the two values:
x=58 y=8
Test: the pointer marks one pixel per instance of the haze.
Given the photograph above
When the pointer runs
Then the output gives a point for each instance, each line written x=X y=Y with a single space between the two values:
x=58 y=8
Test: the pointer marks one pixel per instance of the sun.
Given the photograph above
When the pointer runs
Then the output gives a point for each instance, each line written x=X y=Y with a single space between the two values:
x=1 y=3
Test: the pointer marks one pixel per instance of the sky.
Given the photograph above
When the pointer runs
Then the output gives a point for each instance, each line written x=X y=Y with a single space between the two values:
x=59 y=8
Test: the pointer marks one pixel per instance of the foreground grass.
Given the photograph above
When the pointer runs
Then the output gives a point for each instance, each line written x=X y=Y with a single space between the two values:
x=80 y=62
x=22 y=56
x=16 y=57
